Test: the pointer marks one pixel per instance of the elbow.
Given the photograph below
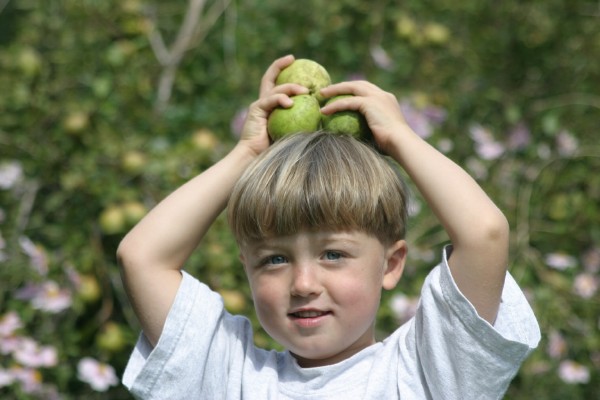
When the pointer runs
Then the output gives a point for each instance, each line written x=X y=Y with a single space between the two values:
x=493 y=231
x=127 y=254
x=486 y=232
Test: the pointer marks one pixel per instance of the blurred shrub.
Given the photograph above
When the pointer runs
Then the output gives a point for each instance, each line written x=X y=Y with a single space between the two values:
x=509 y=91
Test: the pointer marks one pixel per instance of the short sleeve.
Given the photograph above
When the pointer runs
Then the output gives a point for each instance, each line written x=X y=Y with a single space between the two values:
x=462 y=356
x=198 y=335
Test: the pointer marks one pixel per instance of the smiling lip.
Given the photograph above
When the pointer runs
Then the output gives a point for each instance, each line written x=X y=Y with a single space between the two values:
x=309 y=318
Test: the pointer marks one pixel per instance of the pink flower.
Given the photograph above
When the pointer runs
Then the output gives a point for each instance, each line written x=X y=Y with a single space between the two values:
x=50 y=297
x=98 y=375
x=237 y=123
x=557 y=346
x=566 y=143
x=572 y=372
x=30 y=379
x=585 y=285
x=591 y=260
x=485 y=145
x=519 y=137
x=560 y=261
x=9 y=323
x=30 y=354
x=403 y=307
x=9 y=344
x=381 y=58
x=36 y=255
x=422 y=120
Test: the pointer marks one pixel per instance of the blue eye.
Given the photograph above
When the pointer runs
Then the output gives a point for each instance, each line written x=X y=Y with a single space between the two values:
x=274 y=260
x=333 y=255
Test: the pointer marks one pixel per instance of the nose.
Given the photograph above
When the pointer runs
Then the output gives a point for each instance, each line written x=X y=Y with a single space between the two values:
x=305 y=281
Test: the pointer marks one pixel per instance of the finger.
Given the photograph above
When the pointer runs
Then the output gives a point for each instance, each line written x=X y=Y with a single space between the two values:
x=354 y=103
x=291 y=89
x=268 y=79
x=357 y=88
x=269 y=103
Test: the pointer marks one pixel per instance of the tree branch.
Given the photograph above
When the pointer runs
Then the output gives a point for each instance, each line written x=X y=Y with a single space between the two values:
x=193 y=30
x=3 y=4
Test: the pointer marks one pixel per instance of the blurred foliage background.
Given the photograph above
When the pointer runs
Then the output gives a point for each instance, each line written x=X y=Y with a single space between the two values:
x=107 y=106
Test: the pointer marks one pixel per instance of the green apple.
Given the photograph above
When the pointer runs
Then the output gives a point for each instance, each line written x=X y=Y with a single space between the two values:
x=346 y=122
x=303 y=116
x=307 y=73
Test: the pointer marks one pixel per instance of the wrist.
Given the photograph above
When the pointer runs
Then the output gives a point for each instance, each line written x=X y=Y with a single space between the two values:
x=244 y=152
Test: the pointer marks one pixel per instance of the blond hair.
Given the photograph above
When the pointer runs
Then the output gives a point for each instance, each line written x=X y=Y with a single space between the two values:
x=318 y=181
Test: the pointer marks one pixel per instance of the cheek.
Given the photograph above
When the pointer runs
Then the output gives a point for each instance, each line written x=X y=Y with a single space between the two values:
x=361 y=295
x=267 y=295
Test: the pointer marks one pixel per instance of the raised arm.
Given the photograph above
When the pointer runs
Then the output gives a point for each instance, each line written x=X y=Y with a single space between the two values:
x=477 y=229
x=154 y=251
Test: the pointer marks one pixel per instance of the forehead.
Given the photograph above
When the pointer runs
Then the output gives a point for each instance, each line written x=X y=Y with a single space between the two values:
x=318 y=239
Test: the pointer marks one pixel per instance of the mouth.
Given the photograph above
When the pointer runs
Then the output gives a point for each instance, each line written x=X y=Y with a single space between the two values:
x=309 y=318
x=308 y=314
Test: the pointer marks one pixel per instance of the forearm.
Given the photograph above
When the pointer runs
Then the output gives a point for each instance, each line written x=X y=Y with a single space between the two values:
x=477 y=229
x=167 y=236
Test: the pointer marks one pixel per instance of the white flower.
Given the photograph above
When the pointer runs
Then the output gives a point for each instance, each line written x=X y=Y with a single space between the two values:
x=36 y=255
x=557 y=346
x=591 y=260
x=11 y=173
x=485 y=145
x=572 y=372
x=30 y=354
x=9 y=323
x=6 y=378
x=29 y=378
x=381 y=58
x=50 y=297
x=519 y=137
x=585 y=285
x=566 y=143
x=560 y=261
x=98 y=375
x=403 y=307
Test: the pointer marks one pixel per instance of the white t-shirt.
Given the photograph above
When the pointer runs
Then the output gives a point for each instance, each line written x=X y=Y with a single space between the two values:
x=445 y=352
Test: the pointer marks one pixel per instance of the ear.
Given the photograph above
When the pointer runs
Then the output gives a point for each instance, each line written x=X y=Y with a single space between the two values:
x=395 y=259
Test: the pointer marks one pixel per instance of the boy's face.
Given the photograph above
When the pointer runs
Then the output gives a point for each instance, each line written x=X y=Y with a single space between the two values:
x=317 y=293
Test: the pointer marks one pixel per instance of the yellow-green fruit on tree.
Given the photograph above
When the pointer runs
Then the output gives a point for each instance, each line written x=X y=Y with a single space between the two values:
x=347 y=122
x=111 y=337
x=134 y=211
x=307 y=73
x=234 y=301
x=303 y=116
x=112 y=220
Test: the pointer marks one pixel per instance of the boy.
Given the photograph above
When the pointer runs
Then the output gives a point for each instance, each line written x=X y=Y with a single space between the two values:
x=320 y=223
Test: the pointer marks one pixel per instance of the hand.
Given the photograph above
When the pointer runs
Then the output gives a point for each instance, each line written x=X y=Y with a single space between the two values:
x=380 y=108
x=254 y=133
